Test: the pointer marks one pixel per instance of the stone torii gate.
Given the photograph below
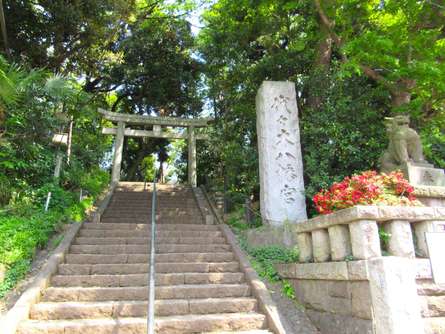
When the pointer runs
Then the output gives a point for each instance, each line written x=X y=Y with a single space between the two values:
x=121 y=131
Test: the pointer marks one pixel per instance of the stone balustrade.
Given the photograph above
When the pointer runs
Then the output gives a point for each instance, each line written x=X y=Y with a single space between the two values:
x=345 y=283
x=354 y=233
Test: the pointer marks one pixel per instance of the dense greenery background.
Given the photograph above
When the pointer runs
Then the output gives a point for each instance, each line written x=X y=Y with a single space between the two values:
x=354 y=62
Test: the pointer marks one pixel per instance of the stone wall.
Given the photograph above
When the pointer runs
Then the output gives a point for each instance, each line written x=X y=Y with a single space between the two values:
x=337 y=295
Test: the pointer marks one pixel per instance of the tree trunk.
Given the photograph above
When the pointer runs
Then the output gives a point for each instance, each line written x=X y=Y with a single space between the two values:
x=4 y=32
x=133 y=169
x=321 y=65
x=322 y=61
x=401 y=93
x=399 y=98
x=161 y=172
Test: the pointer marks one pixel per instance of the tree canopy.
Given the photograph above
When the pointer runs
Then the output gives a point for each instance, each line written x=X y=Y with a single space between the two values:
x=353 y=63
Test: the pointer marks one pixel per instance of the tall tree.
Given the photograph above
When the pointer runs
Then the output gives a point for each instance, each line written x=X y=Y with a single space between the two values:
x=157 y=74
x=353 y=62
x=67 y=36
x=399 y=44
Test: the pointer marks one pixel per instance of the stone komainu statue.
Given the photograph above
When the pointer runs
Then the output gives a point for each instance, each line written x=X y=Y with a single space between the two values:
x=404 y=145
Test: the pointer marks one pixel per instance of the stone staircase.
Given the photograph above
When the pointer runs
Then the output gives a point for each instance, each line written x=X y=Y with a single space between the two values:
x=433 y=305
x=102 y=287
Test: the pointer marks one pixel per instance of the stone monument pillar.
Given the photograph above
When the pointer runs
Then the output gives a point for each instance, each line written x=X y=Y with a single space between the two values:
x=280 y=159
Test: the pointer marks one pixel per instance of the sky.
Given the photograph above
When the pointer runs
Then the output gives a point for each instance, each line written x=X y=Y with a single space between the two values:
x=194 y=17
x=194 y=20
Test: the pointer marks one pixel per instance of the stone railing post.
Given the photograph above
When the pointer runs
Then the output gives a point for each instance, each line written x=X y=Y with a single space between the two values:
x=420 y=229
x=365 y=239
x=340 y=242
x=304 y=241
x=320 y=246
x=400 y=238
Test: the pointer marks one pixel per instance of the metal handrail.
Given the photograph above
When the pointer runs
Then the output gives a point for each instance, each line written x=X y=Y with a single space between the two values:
x=151 y=298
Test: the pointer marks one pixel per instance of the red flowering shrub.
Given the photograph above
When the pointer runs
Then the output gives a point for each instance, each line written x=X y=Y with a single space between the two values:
x=368 y=188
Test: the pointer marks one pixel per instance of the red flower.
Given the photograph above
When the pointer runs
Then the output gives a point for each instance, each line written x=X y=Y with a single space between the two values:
x=366 y=188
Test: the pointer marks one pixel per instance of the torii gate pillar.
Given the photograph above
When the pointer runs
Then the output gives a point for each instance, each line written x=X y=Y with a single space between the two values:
x=192 y=157
x=118 y=148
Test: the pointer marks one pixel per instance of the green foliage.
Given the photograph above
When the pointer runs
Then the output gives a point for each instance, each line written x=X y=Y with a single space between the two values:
x=60 y=198
x=34 y=105
x=149 y=168
x=264 y=258
x=25 y=228
x=341 y=106
x=60 y=35
x=237 y=220
x=21 y=236
x=267 y=256
x=384 y=239
x=14 y=275
x=288 y=290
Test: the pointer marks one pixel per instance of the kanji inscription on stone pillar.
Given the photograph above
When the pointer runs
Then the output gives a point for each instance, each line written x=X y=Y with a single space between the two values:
x=280 y=159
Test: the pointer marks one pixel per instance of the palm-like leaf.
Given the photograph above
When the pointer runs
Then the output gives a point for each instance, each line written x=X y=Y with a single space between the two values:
x=58 y=87
x=14 y=81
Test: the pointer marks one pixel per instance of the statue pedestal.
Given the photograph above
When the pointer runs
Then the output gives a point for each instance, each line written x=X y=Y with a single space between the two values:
x=430 y=196
x=424 y=174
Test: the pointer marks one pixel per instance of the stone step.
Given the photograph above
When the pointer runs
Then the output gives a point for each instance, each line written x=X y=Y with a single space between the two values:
x=147 y=241
x=96 y=326
x=108 y=280
x=145 y=233
x=435 y=325
x=146 y=204
x=161 y=216
x=141 y=249
x=185 y=291
x=164 y=325
x=257 y=331
x=144 y=258
x=210 y=323
x=142 y=268
x=147 y=208
x=191 y=291
x=168 y=202
x=164 y=198
x=163 y=221
x=184 y=209
x=91 y=294
x=433 y=306
x=168 y=307
x=147 y=227
x=430 y=289
x=146 y=213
